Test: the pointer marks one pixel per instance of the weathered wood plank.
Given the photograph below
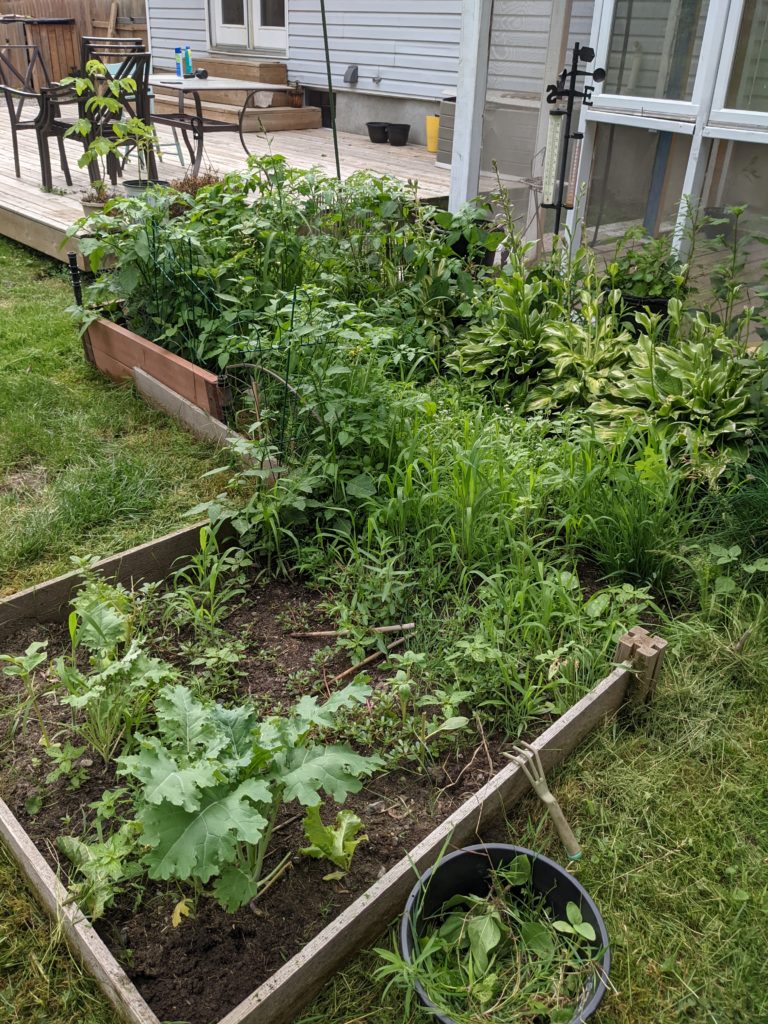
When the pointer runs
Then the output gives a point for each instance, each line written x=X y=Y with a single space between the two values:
x=79 y=933
x=48 y=602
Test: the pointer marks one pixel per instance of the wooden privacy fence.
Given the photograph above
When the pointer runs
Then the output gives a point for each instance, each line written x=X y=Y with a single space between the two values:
x=60 y=43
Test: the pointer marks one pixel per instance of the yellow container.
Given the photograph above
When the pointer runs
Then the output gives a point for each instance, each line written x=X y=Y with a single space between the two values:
x=433 y=131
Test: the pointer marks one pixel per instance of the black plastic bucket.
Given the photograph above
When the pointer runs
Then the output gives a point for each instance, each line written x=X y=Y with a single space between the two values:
x=398 y=134
x=377 y=130
x=466 y=873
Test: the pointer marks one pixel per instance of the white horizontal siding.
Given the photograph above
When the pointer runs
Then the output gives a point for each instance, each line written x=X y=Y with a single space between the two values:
x=519 y=36
x=519 y=39
x=175 y=23
x=413 y=45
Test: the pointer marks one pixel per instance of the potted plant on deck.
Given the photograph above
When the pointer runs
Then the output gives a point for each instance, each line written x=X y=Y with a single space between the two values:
x=295 y=94
x=647 y=272
x=100 y=122
x=136 y=134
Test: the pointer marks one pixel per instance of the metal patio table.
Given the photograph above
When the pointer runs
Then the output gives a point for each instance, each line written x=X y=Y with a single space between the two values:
x=198 y=125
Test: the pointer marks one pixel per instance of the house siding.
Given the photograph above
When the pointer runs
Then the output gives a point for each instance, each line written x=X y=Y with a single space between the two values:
x=412 y=46
x=519 y=37
x=175 y=23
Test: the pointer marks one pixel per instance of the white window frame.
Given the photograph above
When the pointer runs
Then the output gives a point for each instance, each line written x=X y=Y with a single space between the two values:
x=685 y=109
x=709 y=122
x=722 y=115
x=266 y=37
x=227 y=35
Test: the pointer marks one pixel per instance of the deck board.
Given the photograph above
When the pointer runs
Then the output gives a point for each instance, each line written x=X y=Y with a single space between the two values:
x=39 y=219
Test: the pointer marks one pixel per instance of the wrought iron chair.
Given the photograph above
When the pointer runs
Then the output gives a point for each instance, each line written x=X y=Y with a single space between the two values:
x=20 y=65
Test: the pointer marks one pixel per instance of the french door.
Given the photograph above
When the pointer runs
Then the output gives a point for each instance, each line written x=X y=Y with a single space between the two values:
x=249 y=24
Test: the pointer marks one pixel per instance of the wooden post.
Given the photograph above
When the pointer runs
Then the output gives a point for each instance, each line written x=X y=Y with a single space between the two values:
x=470 y=101
x=113 y=23
x=646 y=653
x=557 y=43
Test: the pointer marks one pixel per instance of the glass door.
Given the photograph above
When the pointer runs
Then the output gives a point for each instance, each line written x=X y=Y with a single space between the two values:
x=249 y=24
x=230 y=23
x=268 y=19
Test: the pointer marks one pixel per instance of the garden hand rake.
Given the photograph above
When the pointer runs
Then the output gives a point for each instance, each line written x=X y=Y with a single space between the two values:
x=527 y=757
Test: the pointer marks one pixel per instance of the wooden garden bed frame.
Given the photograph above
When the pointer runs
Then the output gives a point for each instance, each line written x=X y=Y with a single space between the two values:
x=117 y=352
x=288 y=990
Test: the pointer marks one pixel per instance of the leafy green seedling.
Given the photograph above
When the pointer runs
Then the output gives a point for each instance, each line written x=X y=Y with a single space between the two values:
x=64 y=758
x=23 y=666
x=336 y=843
x=575 y=925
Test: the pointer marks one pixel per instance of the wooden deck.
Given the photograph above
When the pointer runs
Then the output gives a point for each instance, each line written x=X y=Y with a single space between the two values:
x=39 y=219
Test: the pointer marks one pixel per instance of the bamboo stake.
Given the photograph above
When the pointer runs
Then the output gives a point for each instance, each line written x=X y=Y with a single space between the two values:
x=367 y=661
x=400 y=627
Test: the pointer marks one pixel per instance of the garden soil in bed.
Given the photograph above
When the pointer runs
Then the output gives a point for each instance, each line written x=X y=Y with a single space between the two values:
x=202 y=969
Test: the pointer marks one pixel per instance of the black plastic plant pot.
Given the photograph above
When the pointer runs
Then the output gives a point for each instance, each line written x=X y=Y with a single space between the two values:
x=377 y=130
x=466 y=872
x=398 y=134
x=637 y=303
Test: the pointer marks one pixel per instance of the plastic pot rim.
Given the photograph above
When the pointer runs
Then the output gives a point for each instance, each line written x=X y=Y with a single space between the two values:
x=406 y=937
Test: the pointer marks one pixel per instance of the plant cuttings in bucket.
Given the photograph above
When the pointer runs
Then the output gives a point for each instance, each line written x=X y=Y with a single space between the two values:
x=503 y=958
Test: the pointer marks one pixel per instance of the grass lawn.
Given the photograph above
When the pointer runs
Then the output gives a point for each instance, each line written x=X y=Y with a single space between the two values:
x=85 y=466
x=672 y=812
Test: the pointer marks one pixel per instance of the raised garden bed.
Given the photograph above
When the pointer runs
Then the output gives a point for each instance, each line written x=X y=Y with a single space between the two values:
x=118 y=352
x=264 y=965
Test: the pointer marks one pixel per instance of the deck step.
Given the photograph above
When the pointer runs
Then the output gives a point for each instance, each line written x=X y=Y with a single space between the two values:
x=271 y=119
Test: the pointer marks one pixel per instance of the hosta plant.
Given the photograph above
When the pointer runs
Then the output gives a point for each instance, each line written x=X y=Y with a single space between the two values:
x=702 y=388
x=210 y=783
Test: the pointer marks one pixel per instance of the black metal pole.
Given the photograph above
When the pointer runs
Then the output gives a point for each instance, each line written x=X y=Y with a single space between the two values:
x=567 y=134
x=74 y=274
x=331 y=101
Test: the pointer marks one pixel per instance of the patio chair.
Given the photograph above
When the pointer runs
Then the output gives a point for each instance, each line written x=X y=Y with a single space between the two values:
x=20 y=65
x=100 y=46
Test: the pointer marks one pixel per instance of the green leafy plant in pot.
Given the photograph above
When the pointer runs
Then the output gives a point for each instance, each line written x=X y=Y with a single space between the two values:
x=498 y=934
x=100 y=110
x=647 y=274
x=135 y=133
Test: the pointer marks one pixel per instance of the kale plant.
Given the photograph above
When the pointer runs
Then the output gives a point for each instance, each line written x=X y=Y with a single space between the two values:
x=212 y=780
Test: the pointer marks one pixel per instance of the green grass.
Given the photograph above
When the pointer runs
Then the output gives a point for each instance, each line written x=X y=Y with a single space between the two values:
x=85 y=466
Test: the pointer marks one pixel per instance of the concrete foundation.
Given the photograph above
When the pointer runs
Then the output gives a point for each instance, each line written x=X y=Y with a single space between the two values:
x=353 y=109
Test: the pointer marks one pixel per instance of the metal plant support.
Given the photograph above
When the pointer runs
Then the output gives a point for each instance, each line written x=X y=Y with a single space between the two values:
x=558 y=143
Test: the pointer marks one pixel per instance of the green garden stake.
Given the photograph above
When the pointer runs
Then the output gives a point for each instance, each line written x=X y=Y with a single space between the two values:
x=527 y=757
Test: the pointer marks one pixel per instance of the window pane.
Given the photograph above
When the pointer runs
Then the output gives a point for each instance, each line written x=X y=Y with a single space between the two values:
x=654 y=48
x=233 y=12
x=637 y=178
x=748 y=88
x=273 y=13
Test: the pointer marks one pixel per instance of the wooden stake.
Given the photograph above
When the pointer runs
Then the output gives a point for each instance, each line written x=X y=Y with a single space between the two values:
x=112 y=26
x=401 y=627
x=367 y=661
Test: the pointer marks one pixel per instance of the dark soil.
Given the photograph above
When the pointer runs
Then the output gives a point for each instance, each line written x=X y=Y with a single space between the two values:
x=202 y=969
